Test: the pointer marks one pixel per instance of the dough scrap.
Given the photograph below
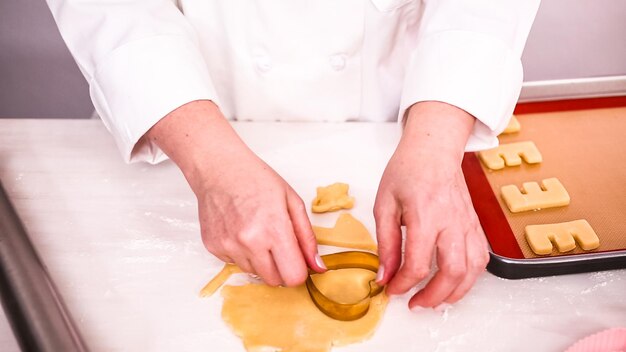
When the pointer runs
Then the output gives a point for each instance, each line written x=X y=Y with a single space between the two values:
x=285 y=319
x=513 y=126
x=348 y=233
x=331 y=198
x=551 y=194
x=564 y=235
x=219 y=279
x=510 y=154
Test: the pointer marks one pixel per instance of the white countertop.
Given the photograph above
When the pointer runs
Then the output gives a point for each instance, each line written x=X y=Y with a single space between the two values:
x=122 y=244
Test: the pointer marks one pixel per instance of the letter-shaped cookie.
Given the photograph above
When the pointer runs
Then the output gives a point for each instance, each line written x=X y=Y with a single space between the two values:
x=564 y=235
x=511 y=154
x=513 y=126
x=532 y=197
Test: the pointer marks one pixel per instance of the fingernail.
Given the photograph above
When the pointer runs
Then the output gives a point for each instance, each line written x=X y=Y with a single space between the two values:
x=320 y=262
x=442 y=307
x=417 y=309
x=380 y=274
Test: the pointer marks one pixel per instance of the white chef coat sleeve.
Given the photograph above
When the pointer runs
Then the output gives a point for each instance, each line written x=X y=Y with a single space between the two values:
x=142 y=61
x=468 y=55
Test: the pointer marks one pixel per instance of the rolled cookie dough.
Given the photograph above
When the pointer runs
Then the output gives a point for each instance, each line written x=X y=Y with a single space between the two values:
x=551 y=194
x=564 y=235
x=510 y=154
x=285 y=319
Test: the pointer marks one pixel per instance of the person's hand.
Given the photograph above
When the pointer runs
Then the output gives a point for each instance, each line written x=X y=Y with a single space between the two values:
x=423 y=188
x=248 y=214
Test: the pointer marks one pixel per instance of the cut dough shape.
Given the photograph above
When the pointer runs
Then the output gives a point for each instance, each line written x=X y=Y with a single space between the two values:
x=285 y=319
x=331 y=198
x=564 y=235
x=511 y=154
x=336 y=307
x=513 y=126
x=348 y=233
x=551 y=194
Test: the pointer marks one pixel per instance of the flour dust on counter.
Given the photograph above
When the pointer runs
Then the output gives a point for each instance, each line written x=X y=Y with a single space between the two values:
x=87 y=231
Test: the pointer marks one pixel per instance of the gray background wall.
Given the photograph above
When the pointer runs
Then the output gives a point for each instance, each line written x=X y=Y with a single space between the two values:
x=576 y=39
x=38 y=78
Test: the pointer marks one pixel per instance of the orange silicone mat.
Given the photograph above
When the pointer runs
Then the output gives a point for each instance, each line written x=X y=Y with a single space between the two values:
x=586 y=151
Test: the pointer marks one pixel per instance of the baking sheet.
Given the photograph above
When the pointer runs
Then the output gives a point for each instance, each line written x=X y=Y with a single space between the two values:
x=586 y=151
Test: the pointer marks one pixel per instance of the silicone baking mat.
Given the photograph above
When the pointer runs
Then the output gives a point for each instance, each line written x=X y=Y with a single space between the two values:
x=586 y=151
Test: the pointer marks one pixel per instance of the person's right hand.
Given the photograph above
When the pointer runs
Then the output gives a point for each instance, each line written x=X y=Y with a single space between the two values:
x=249 y=215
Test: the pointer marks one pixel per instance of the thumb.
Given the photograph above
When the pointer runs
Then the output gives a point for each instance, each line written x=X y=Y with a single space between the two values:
x=389 y=236
x=304 y=232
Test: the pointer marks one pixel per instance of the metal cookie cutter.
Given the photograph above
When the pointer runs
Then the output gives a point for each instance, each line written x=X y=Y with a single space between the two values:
x=346 y=260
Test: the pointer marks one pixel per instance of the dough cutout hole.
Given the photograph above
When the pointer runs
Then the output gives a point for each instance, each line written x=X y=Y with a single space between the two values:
x=510 y=154
x=532 y=197
x=564 y=235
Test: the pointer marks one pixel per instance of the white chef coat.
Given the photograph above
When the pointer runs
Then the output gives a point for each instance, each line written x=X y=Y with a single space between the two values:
x=296 y=60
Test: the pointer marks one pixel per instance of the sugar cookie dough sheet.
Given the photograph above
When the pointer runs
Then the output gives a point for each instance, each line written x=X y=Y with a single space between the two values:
x=285 y=319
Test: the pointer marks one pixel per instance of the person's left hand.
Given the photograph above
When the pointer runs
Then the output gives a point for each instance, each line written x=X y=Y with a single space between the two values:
x=424 y=189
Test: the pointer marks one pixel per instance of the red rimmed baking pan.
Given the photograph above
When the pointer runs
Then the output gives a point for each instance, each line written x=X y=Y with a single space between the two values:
x=586 y=151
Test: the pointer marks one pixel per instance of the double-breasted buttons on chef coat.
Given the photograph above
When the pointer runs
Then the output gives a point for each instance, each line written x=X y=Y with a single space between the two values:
x=263 y=63
x=298 y=60
x=338 y=62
